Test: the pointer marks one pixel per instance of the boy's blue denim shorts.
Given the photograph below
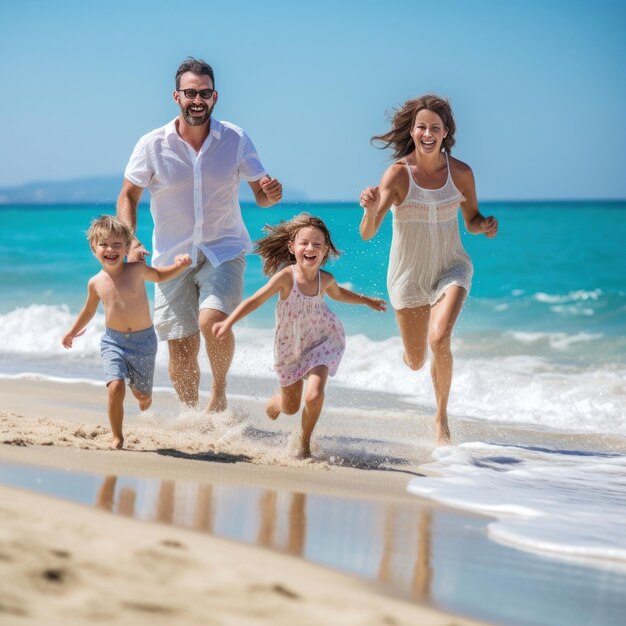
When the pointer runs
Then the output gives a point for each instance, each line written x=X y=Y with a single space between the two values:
x=130 y=356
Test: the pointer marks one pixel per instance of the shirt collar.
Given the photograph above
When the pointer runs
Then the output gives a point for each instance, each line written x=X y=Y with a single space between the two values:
x=216 y=128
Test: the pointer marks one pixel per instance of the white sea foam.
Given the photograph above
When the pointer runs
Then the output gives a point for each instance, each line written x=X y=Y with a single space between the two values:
x=529 y=386
x=567 y=503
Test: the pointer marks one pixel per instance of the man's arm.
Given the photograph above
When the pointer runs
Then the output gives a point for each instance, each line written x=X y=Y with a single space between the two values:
x=127 y=203
x=267 y=191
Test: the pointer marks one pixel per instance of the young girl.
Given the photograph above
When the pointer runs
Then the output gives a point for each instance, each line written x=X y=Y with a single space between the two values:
x=309 y=339
x=429 y=272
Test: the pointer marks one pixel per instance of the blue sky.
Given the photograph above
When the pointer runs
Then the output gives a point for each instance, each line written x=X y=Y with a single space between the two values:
x=538 y=88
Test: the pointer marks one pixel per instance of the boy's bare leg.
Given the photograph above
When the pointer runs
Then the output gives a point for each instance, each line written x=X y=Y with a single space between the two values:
x=287 y=401
x=116 y=390
x=220 y=352
x=184 y=369
x=145 y=400
x=313 y=403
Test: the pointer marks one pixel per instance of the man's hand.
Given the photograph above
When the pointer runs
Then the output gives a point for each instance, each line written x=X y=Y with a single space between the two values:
x=137 y=252
x=272 y=189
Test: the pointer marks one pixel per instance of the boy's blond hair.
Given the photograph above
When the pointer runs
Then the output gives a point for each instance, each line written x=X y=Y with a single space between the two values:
x=107 y=226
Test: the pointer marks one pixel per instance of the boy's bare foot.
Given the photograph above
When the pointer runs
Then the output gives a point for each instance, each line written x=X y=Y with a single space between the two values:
x=145 y=404
x=273 y=407
x=117 y=443
x=442 y=432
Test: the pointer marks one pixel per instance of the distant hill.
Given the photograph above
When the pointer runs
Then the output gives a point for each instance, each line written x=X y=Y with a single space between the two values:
x=101 y=190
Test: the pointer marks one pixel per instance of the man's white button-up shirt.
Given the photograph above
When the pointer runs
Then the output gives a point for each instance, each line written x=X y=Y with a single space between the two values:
x=195 y=196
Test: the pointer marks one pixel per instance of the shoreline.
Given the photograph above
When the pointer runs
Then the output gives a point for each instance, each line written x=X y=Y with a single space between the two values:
x=92 y=564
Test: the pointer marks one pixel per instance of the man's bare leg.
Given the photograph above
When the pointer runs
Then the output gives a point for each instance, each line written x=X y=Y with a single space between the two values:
x=220 y=352
x=184 y=369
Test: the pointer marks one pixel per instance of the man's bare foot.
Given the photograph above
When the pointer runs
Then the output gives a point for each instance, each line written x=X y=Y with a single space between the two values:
x=117 y=443
x=217 y=403
x=273 y=407
x=442 y=432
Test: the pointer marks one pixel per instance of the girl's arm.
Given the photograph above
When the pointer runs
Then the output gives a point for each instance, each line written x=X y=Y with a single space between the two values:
x=278 y=283
x=161 y=274
x=378 y=200
x=84 y=317
x=475 y=222
x=341 y=294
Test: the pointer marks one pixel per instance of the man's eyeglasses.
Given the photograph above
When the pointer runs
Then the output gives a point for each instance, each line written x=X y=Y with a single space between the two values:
x=205 y=94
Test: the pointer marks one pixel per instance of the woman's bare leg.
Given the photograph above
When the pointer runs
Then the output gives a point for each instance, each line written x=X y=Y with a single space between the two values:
x=443 y=317
x=413 y=325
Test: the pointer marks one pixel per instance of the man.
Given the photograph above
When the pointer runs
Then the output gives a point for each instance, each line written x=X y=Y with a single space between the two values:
x=192 y=167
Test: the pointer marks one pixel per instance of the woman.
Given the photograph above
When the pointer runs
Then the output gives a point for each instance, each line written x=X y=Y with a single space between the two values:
x=429 y=274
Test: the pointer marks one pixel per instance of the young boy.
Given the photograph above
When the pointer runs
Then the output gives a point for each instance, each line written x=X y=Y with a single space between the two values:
x=129 y=344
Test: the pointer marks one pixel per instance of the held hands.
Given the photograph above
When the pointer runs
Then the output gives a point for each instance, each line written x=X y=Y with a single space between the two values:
x=272 y=188
x=489 y=226
x=370 y=198
x=182 y=260
x=137 y=252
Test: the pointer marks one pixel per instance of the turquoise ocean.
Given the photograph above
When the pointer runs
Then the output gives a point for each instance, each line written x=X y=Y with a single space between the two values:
x=540 y=346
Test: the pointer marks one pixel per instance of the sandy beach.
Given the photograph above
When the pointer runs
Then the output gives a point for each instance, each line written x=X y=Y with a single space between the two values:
x=63 y=562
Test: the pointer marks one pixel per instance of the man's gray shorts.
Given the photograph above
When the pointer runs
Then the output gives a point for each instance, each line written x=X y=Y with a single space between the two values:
x=130 y=356
x=177 y=302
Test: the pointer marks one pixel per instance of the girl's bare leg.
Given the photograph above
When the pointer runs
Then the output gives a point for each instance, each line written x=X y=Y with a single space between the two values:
x=287 y=400
x=313 y=403
x=116 y=390
x=444 y=315
x=413 y=325
x=145 y=400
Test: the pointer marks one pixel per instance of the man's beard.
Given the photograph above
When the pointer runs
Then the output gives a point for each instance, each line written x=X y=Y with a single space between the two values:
x=197 y=121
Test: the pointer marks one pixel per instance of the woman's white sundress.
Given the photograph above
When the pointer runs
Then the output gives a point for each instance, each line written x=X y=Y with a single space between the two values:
x=426 y=255
x=308 y=334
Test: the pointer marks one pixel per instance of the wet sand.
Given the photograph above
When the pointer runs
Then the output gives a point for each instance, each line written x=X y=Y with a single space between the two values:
x=68 y=563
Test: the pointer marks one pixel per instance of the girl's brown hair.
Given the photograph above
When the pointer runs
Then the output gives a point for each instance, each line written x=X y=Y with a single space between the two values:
x=274 y=249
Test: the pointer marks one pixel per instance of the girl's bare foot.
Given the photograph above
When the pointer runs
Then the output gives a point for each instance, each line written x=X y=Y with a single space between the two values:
x=273 y=406
x=442 y=431
x=117 y=443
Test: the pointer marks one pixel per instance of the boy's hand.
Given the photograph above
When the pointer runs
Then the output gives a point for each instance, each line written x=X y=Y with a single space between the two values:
x=69 y=338
x=182 y=260
x=377 y=304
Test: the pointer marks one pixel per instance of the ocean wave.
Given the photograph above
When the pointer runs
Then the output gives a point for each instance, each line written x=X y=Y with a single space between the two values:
x=573 y=501
x=510 y=376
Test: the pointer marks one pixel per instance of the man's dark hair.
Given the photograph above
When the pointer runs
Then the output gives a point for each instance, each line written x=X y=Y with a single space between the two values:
x=196 y=66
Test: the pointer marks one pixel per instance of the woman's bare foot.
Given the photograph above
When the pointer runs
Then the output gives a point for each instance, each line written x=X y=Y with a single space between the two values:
x=305 y=450
x=273 y=406
x=117 y=443
x=442 y=431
